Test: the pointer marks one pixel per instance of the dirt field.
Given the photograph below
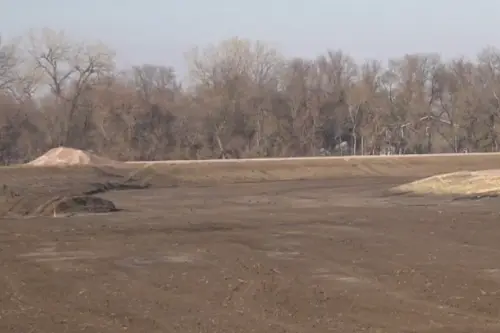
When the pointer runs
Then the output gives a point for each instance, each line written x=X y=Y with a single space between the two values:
x=196 y=252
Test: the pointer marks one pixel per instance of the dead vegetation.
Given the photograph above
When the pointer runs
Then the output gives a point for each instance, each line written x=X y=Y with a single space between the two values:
x=462 y=184
x=243 y=99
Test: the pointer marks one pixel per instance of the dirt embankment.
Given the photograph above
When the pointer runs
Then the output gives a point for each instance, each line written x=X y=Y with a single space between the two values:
x=413 y=167
x=277 y=169
x=58 y=191
x=67 y=180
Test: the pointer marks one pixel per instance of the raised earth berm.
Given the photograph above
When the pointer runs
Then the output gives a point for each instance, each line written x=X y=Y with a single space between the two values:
x=81 y=204
x=63 y=156
x=462 y=183
x=67 y=190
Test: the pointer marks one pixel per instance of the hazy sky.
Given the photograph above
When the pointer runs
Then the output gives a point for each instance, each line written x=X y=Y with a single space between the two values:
x=159 y=32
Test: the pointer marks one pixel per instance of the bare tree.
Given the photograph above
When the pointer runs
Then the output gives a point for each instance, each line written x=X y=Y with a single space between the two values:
x=228 y=77
x=9 y=60
x=155 y=83
x=243 y=99
x=68 y=69
x=489 y=78
x=364 y=106
x=232 y=58
x=410 y=88
x=328 y=107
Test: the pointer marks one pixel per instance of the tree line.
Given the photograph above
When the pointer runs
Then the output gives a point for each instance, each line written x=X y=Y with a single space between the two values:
x=243 y=99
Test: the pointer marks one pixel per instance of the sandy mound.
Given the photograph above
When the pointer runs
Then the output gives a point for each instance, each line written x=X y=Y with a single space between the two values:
x=69 y=156
x=456 y=183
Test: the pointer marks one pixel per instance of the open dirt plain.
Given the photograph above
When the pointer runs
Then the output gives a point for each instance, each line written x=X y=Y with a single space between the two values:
x=331 y=253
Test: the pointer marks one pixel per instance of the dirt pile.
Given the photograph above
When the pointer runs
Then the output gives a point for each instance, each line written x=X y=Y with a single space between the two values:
x=75 y=205
x=63 y=156
x=463 y=183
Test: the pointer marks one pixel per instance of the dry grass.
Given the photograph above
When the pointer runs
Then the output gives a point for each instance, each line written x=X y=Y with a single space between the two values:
x=456 y=183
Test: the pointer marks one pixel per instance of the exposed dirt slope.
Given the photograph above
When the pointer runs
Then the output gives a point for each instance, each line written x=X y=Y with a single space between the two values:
x=256 y=171
x=41 y=191
x=26 y=189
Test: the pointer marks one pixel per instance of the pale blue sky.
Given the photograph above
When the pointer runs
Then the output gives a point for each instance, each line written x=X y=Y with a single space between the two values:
x=159 y=32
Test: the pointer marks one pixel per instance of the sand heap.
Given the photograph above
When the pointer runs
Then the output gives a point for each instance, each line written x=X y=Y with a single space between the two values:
x=456 y=183
x=68 y=156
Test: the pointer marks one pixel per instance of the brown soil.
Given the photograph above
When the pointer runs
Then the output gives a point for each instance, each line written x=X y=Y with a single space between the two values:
x=256 y=171
x=194 y=254
x=38 y=191
x=75 y=204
